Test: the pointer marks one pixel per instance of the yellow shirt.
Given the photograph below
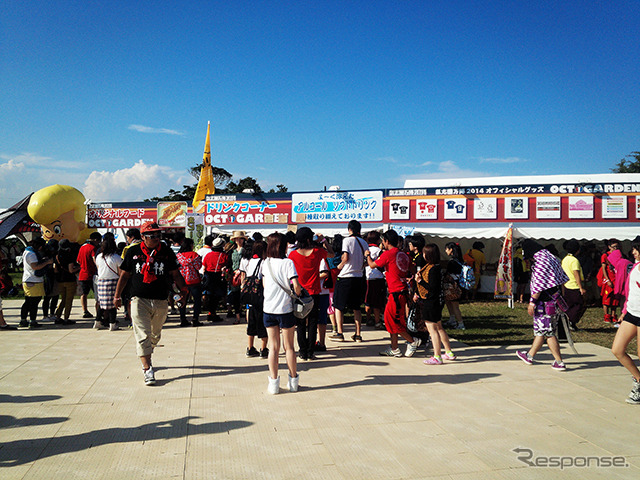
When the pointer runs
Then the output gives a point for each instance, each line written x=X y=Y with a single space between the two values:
x=569 y=265
x=479 y=261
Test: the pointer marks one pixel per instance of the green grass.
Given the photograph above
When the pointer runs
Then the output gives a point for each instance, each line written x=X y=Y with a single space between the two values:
x=494 y=323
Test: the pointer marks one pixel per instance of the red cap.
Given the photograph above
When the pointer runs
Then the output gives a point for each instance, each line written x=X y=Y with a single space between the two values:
x=149 y=227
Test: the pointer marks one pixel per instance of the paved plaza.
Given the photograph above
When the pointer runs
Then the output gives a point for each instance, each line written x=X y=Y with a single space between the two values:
x=74 y=405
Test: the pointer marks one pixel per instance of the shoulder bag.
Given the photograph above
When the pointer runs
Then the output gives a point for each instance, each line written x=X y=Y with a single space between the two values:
x=302 y=304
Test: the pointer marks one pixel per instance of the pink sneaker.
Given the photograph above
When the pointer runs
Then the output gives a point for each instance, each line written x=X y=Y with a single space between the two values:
x=432 y=361
x=446 y=356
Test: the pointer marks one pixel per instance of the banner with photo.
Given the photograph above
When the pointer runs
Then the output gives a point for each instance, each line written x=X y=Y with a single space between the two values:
x=504 y=273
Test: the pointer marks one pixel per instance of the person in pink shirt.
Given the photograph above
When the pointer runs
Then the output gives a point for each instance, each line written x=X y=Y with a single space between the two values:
x=630 y=324
x=308 y=259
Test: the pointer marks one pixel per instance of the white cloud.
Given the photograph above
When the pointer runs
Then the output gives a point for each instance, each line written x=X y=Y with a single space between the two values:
x=133 y=184
x=447 y=169
x=11 y=166
x=145 y=129
x=503 y=160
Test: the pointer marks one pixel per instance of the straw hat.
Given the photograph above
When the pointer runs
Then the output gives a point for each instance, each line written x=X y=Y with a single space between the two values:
x=239 y=234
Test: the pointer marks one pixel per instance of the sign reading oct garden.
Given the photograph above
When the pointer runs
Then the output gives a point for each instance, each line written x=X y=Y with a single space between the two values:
x=228 y=209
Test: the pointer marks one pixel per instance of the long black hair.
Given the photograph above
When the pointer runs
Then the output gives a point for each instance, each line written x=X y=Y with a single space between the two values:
x=456 y=253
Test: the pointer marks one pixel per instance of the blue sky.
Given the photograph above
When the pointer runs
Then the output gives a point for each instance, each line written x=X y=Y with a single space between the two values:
x=114 y=97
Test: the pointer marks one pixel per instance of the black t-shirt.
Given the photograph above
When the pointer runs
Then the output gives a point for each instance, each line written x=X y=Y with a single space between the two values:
x=164 y=262
x=63 y=259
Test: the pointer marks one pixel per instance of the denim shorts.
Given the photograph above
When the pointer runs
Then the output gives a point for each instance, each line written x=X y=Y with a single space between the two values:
x=282 y=320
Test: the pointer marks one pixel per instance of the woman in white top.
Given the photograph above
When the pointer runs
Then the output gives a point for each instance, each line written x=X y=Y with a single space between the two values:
x=108 y=263
x=278 y=273
x=630 y=324
x=33 y=281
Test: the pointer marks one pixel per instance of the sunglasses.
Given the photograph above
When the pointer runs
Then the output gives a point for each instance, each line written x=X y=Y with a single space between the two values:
x=152 y=235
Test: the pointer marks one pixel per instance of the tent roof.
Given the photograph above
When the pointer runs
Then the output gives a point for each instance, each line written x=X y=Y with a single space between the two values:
x=524 y=180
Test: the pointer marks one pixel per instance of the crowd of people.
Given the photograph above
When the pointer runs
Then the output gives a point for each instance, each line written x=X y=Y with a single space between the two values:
x=401 y=283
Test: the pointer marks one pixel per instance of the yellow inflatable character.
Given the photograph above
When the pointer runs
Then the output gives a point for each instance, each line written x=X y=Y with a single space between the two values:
x=61 y=212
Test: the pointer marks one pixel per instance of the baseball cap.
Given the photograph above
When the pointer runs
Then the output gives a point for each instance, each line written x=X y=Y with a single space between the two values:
x=149 y=227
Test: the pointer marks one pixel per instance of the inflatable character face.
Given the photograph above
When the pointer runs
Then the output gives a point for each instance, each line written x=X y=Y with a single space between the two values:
x=60 y=211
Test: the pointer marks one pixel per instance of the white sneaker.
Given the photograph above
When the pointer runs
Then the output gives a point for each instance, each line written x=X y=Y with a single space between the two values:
x=149 y=377
x=113 y=327
x=294 y=383
x=412 y=347
x=274 y=386
x=98 y=325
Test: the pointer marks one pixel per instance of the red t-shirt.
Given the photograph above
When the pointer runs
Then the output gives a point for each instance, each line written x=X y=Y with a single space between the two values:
x=396 y=264
x=87 y=265
x=214 y=261
x=308 y=269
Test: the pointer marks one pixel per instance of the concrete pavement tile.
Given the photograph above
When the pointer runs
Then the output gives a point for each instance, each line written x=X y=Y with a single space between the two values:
x=425 y=448
x=548 y=393
x=611 y=432
x=361 y=452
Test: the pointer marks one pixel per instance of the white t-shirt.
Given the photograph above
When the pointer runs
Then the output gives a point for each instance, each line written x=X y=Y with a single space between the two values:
x=203 y=253
x=374 y=273
x=324 y=267
x=276 y=300
x=355 y=247
x=248 y=266
x=108 y=267
x=633 y=301
x=29 y=258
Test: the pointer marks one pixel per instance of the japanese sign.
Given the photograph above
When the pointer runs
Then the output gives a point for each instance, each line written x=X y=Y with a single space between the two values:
x=246 y=212
x=337 y=206
x=105 y=216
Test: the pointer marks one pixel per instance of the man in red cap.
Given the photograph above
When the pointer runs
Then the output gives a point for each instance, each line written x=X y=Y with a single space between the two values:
x=152 y=267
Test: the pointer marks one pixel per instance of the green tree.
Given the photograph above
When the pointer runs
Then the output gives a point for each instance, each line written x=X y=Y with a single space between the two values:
x=224 y=185
x=628 y=166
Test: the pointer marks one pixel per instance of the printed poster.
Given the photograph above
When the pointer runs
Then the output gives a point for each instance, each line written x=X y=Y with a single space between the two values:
x=455 y=209
x=504 y=274
x=172 y=214
x=516 y=207
x=427 y=209
x=485 y=208
x=581 y=207
x=548 y=207
x=399 y=209
x=614 y=206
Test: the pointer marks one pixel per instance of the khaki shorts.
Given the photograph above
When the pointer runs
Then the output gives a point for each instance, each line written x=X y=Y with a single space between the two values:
x=33 y=289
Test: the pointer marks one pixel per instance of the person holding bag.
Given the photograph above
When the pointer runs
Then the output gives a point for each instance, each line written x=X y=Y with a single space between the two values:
x=253 y=297
x=107 y=263
x=307 y=259
x=277 y=273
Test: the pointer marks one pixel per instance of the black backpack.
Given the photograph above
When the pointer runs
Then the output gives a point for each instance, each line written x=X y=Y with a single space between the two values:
x=252 y=292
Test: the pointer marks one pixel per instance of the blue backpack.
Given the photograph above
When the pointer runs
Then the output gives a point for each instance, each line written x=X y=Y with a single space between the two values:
x=466 y=279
